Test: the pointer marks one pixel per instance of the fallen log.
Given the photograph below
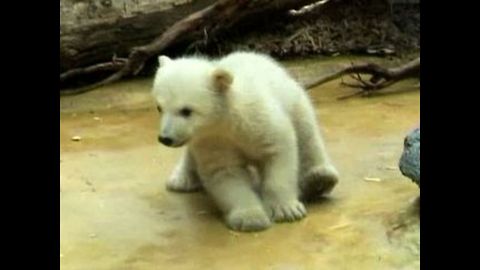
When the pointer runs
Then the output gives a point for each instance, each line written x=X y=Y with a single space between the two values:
x=204 y=23
x=91 y=32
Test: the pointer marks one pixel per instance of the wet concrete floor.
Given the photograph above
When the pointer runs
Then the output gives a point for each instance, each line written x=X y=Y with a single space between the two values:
x=116 y=214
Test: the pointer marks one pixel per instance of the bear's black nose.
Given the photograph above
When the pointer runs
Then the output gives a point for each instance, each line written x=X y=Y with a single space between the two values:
x=165 y=140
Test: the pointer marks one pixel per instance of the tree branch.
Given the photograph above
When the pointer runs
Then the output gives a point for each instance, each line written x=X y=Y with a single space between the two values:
x=381 y=77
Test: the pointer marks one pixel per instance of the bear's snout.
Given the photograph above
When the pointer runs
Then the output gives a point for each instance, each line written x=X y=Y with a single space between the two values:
x=165 y=140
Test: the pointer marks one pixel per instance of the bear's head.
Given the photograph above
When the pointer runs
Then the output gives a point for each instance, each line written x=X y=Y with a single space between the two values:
x=191 y=97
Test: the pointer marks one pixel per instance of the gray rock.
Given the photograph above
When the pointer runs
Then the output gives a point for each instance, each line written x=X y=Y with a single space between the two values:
x=410 y=160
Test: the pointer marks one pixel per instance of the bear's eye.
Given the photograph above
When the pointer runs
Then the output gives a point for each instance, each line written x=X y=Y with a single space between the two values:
x=159 y=109
x=185 y=112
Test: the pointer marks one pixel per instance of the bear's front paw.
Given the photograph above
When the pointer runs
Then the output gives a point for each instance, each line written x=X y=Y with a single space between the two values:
x=320 y=180
x=287 y=211
x=248 y=220
x=183 y=183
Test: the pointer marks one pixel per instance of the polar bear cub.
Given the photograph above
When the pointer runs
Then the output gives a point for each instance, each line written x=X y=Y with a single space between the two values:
x=239 y=112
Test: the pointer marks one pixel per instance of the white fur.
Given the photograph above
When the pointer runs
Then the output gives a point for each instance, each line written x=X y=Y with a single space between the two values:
x=254 y=114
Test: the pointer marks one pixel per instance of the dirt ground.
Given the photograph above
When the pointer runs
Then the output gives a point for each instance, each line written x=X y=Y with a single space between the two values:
x=116 y=214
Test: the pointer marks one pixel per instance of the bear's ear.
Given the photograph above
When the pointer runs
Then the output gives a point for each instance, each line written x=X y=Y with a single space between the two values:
x=222 y=80
x=163 y=60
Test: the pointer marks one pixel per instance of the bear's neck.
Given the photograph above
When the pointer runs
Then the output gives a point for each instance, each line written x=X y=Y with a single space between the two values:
x=229 y=127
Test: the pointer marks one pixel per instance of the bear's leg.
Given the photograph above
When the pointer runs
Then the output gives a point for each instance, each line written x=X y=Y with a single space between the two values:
x=231 y=190
x=184 y=177
x=280 y=184
x=317 y=174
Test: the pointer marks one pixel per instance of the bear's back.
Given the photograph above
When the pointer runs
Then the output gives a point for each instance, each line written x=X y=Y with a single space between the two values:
x=261 y=76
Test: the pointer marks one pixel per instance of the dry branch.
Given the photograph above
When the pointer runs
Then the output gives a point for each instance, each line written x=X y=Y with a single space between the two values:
x=307 y=8
x=380 y=77
x=115 y=65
